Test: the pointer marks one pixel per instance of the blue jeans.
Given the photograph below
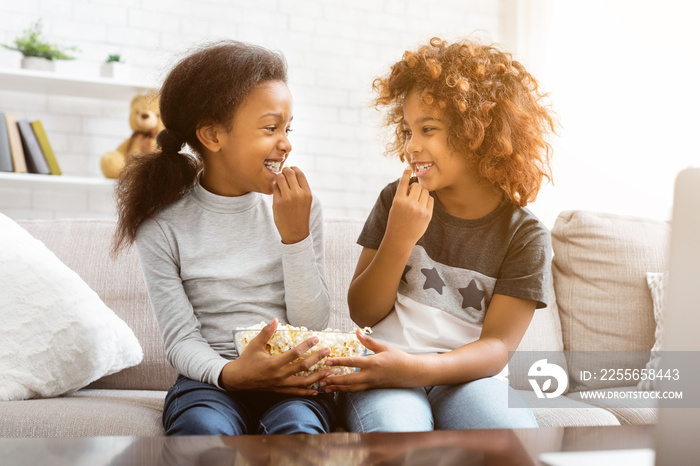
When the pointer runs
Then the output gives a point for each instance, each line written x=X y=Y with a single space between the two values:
x=480 y=404
x=197 y=408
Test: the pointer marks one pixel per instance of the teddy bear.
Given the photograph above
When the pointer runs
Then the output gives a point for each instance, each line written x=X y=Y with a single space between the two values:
x=144 y=119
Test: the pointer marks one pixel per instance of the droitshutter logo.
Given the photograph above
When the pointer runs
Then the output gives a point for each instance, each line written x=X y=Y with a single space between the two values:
x=542 y=368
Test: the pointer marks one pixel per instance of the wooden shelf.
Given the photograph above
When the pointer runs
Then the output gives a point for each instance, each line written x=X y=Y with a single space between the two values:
x=52 y=83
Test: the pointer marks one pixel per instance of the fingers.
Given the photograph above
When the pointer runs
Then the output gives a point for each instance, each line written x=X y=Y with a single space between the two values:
x=346 y=388
x=300 y=385
x=282 y=183
x=345 y=383
x=404 y=182
x=296 y=391
x=276 y=191
x=292 y=179
x=369 y=342
x=299 y=351
x=264 y=335
x=309 y=361
x=347 y=362
x=412 y=190
x=419 y=194
x=301 y=179
x=307 y=381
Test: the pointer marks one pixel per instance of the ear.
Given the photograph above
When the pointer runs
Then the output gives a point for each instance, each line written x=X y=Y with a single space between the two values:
x=208 y=135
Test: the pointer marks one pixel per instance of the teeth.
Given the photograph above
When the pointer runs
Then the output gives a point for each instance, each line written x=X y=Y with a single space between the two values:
x=423 y=166
x=273 y=166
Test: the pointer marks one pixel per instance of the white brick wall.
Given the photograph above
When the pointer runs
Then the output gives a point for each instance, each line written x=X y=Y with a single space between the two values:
x=334 y=50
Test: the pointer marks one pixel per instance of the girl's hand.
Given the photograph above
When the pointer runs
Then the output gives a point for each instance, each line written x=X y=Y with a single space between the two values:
x=388 y=367
x=410 y=213
x=255 y=369
x=291 y=205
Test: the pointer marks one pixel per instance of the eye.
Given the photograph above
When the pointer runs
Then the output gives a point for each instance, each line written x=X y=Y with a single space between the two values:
x=428 y=129
x=407 y=132
x=288 y=130
x=271 y=129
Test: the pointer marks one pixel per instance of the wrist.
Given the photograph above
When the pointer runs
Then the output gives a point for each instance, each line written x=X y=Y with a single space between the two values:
x=294 y=235
x=228 y=377
x=418 y=375
x=398 y=246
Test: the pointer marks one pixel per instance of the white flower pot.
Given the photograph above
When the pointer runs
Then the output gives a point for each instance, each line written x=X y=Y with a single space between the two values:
x=115 y=70
x=37 y=63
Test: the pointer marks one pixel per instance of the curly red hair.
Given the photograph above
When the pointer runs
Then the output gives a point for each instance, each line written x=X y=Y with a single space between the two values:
x=493 y=105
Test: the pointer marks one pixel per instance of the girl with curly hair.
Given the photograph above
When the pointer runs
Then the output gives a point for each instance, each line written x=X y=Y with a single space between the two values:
x=453 y=265
x=228 y=237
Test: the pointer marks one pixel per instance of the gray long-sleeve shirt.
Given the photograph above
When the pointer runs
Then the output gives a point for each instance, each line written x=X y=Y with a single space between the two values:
x=214 y=263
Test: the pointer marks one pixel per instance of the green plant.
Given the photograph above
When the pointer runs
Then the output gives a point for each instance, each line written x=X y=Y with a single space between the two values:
x=32 y=44
x=114 y=58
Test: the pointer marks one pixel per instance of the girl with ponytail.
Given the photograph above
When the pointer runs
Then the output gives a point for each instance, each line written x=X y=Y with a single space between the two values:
x=228 y=236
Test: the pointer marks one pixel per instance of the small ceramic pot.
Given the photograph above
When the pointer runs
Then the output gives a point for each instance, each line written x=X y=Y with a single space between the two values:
x=115 y=70
x=37 y=63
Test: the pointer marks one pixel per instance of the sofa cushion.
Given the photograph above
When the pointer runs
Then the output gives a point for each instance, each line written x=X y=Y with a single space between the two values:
x=342 y=252
x=599 y=266
x=84 y=245
x=57 y=335
x=86 y=413
x=564 y=411
x=627 y=410
x=541 y=340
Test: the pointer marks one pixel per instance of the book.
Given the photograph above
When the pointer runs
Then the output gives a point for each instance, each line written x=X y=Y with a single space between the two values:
x=18 y=162
x=46 y=148
x=36 y=162
x=6 y=164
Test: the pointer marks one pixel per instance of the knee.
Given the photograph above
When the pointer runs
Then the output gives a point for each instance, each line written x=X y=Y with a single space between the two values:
x=203 y=420
x=391 y=410
x=481 y=404
x=299 y=416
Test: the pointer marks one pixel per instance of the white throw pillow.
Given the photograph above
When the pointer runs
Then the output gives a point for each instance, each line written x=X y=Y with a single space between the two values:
x=56 y=334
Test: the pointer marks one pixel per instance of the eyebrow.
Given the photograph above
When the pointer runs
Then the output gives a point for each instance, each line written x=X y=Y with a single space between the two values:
x=273 y=114
x=423 y=120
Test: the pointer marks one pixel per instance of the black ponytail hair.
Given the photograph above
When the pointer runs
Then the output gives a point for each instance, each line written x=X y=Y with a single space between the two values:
x=206 y=87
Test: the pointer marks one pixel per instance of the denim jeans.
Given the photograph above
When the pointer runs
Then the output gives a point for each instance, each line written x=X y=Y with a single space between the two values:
x=197 y=408
x=480 y=404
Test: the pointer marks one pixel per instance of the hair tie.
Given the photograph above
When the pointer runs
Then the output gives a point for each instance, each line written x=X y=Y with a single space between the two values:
x=170 y=140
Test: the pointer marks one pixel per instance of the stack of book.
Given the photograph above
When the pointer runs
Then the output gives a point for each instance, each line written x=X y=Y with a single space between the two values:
x=24 y=147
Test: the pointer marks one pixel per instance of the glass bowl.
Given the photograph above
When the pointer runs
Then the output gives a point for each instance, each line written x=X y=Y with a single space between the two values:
x=341 y=344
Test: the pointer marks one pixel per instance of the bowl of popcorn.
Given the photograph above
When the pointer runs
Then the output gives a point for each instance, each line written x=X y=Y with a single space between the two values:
x=286 y=337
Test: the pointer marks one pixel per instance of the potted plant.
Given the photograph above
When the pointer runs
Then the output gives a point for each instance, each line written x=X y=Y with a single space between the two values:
x=114 y=67
x=36 y=52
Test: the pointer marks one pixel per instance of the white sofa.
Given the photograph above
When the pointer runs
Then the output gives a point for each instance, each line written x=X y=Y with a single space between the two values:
x=602 y=303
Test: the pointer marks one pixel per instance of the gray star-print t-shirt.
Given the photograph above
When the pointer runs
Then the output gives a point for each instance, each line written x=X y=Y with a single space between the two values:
x=454 y=271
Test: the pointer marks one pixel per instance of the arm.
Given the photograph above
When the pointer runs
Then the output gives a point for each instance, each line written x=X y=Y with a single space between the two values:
x=372 y=292
x=185 y=348
x=190 y=354
x=300 y=223
x=505 y=324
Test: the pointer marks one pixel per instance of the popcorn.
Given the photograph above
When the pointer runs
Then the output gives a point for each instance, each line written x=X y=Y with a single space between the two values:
x=287 y=337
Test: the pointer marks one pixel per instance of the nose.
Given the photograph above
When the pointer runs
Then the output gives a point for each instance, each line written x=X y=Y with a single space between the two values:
x=284 y=145
x=411 y=146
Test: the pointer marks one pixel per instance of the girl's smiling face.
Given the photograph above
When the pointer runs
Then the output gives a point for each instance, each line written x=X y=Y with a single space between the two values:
x=426 y=148
x=255 y=149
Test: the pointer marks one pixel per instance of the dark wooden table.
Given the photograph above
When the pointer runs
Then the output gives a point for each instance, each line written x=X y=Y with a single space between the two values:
x=440 y=448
